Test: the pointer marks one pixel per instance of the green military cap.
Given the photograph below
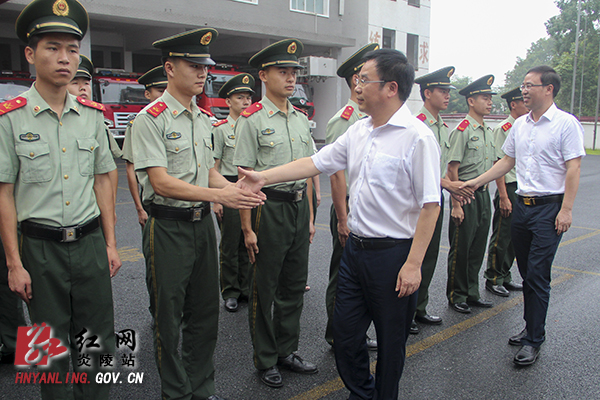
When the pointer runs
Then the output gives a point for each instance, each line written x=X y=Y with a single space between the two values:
x=239 y=83
x=284 y=53
x=155 y=77
x=52 y=16
x=513 y=95
x=354 y=63
x=482 y=85
x=302 y=104
x=439 y=78
x=85 y=69
x=191 y=46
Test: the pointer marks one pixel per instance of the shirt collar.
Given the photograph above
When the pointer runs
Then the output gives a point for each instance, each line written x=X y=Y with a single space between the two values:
x=430 y=118
x=39 y=105
x=272 y=109
x=474 y=123
x=549 y=114
x=400 y=118
x=175 y=107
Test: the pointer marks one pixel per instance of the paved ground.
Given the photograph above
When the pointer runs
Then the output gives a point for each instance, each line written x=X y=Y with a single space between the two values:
x=467 y=357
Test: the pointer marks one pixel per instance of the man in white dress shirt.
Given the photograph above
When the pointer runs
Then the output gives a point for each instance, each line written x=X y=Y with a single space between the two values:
x=547 y=147
x=392 y=160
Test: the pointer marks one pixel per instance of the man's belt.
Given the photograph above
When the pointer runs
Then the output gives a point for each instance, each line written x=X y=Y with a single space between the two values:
x=375 y=243
x=483 y=188
x=231 y=178
x=192 y=214
x=511 y=184
x=294 y=197
x=59 y=234
x=539 y=200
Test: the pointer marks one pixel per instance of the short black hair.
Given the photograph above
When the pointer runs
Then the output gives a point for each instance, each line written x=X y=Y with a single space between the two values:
x=393 y=66
x=548 y=77
x=33 y=41
x=349 y=80
x=508 y=101
x=422 y=91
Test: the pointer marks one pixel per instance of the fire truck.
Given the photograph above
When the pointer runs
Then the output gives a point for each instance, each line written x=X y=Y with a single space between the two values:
x=12 y=84
x=209 y=99
x=122 y=96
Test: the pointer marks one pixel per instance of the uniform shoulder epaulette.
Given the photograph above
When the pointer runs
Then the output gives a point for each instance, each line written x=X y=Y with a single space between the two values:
x=251 y=110
x=301 y=110
x=463 y=125
x=422 y=117
x=347 y=113
x=12 y=104
x=92 y=104
x=506 y=126
x=157 y=109
x=206 y=112
x=219 y=123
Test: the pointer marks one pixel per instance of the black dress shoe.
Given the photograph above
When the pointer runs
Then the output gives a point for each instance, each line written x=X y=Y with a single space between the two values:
x=527 y=355
x=371 y=344
x=480 y=303
x=231 y=304
x=516 y=339
x=295 y=363
x=513 y=286
x=271 y=377
x=428 y=319
x=498 y=290
x=414 y=328
x=461 y=307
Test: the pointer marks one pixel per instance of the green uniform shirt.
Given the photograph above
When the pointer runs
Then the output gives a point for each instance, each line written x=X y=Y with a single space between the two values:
x=473 y=148
x=268 y=138
x=224 y=140
x=52 y=163
x=114 y=146
x=175 y=139
x=127 y=151
x=440 y=131
x=499 y=137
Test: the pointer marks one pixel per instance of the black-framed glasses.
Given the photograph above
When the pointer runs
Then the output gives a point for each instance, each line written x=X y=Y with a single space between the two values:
x=529 y=86
x=361 y=82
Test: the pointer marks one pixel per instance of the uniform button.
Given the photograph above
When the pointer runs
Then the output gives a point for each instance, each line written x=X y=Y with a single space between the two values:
x=92 y=148
x=60 y=123
x=295 y=159
x=66 y=176
x=234 y=145
x=176 y=148
x=198 y=165
x=64 y=150
x=196 y=143
x=271 y=143
x=292 y=139
x=31 y=154
x=68 y=203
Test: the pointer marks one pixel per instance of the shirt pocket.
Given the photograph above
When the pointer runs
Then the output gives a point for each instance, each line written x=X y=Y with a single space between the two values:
x=85 y=155
x=208 y=151
x=228 y=151
x=271 y=150
x=474 y=149
x=178 y=155
x=384 y=171
x=35 y=162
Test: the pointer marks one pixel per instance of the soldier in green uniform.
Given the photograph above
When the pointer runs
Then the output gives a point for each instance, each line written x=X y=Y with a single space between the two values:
x=500 y=251
x=472 y=152
x=235 y=265
x=268 y=134
x=54 y=183
x=172 y=151
x=81 y=86
x=155 y=83
x=337 y=125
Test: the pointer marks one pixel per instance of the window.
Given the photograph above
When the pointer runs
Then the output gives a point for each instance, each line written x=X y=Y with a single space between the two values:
x=412 y=50
x=318 y=7
x=389 y=39
x=416 y=3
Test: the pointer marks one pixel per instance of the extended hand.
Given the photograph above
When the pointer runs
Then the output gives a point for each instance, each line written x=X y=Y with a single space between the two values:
x=233 y=196
x=459 y=188
x=250 y=180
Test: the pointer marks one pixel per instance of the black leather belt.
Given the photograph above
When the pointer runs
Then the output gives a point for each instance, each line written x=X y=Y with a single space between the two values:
x=59 y=234
x=294 y=197
x=192 y=214
x=511 y=184
x=375 y=243
x=539 y=200
x=231 y=178
x=483 y=188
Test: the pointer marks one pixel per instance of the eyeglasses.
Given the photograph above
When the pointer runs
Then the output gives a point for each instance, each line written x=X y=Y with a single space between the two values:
x=528 y=86
x=360 y=82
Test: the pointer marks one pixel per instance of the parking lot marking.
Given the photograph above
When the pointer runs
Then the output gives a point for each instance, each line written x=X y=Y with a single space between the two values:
x=336 y=384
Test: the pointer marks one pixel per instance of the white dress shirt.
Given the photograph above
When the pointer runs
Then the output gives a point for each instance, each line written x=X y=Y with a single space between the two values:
x=541 y=150
x=393 y=170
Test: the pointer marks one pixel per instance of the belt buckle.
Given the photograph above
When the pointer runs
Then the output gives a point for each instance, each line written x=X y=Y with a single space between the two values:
x=197 y=213
x=68 y=234
x=299 y=195
x=529 y=201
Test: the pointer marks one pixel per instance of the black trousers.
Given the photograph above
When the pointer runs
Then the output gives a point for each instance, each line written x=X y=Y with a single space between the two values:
x=367 y=292
x=535 y=241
